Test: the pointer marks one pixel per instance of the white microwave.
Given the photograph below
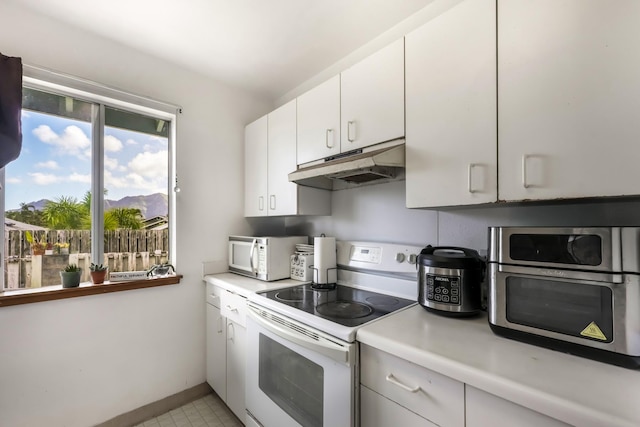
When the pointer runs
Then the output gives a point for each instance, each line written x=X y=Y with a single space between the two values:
x=263 y=258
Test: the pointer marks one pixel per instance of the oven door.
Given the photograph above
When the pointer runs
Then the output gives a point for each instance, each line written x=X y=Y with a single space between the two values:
x=297 y=376
x=601 y=313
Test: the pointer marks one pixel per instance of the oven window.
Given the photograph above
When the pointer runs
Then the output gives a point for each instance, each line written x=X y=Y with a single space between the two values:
x=582 y=249
x=293 y=382
x=575 y=309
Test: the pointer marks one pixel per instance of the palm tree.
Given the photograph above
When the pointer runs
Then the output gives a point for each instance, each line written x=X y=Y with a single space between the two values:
x=64 y=214
x=130 y=218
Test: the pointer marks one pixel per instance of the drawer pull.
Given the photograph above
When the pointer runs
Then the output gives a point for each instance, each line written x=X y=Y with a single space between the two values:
x=394 y=381
x=232 y=309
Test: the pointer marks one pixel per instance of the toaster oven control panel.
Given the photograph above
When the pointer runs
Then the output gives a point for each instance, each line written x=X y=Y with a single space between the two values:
x=443 y=289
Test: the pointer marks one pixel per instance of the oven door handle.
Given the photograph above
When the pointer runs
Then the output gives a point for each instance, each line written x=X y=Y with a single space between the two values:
x=328 y=348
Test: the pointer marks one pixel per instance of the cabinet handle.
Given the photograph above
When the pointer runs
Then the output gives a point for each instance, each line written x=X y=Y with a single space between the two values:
x=394 y=381
x=260 y=203
x=326 y=138
x=524 y=171
x=350 y=125
x=470 y=174
x=272 y=202
x=231 y=309
x=220 y=319
x=230 y=328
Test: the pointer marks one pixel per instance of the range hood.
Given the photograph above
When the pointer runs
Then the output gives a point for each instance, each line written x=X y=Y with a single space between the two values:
x=353 y=168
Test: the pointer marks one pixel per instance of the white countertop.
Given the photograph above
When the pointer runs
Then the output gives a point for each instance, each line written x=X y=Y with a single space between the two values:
x=572 y=389
x=244 y=286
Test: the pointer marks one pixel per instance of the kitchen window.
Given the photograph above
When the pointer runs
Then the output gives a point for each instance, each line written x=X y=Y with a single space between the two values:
x=94 y=162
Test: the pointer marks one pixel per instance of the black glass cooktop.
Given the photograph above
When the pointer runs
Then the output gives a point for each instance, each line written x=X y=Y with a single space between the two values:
x=343 y=304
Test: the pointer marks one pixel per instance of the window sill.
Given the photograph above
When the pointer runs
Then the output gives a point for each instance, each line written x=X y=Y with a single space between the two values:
x=50 y=293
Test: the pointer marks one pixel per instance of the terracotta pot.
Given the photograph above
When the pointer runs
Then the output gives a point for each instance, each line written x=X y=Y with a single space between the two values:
x=38 y=251
x=97 y=277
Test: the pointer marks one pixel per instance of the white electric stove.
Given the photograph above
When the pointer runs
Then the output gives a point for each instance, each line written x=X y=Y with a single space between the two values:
x=302 y=357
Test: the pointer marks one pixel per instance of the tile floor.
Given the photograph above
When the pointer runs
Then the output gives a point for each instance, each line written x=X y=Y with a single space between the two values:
x=208 y=411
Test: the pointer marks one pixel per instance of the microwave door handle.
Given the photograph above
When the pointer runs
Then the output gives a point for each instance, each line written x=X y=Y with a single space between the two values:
x=253 y=248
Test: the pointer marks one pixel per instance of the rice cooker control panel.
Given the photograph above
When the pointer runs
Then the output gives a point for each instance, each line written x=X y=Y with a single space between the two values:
x=443 y=289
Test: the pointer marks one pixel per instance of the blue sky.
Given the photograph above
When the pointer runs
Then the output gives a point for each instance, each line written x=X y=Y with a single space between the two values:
x=56 y=161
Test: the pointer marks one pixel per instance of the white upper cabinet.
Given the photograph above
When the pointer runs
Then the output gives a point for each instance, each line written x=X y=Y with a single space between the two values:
x=255 y=168
x=319 y=122
x=281 y=156
x=372 y=99
x=270 y=155
x=568 y=98
x=451 y=136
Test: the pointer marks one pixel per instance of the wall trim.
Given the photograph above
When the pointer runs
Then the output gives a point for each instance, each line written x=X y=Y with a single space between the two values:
x=159 y=407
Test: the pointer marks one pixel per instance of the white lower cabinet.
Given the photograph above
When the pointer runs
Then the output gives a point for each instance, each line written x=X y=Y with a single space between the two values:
x=401 y=388
x=216 y=359
x=378 y=411
x=487 y=410
x=236 y=361
x=226 y=347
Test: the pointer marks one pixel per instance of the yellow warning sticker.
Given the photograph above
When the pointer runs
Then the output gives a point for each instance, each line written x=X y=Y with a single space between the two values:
x=593 y=331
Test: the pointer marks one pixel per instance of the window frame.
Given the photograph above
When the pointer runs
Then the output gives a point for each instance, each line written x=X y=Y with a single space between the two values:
x=101 y=96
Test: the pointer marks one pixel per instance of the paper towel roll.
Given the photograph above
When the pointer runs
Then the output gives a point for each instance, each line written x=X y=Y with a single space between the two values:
x=324 y=260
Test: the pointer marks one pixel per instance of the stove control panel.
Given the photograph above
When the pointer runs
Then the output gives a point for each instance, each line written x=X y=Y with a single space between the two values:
x=375 y=256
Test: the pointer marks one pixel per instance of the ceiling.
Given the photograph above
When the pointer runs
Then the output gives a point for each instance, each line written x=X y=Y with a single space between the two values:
x=268 y=46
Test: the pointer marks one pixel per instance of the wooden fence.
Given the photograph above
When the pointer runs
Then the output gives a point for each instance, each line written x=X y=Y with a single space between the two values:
x=125 y=250
x=116 y=241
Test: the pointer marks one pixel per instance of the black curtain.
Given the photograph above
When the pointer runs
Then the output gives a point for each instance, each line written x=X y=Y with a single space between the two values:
x=10 y=108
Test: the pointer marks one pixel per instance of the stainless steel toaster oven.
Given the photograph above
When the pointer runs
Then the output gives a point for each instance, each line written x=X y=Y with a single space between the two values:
x=575 y=290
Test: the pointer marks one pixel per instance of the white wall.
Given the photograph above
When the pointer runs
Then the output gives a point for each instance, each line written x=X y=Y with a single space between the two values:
x=378 y=212
x=81 y=361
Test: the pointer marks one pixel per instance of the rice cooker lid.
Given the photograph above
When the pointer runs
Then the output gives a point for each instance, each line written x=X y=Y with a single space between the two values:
x=449 y=257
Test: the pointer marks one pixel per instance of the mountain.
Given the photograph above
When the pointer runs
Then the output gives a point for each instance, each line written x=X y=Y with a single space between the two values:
x=151 y=205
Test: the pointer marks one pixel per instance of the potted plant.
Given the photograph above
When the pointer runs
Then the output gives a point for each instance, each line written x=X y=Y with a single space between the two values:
x=71 y=276
x=161 y=270
x=48 y=250
x=37 y=246
x=62 y=248
x=98 y=273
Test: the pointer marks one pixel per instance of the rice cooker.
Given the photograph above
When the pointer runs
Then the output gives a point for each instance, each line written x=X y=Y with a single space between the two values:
x=450 y=280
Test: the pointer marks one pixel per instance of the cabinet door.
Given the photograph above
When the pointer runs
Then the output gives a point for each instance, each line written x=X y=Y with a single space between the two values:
x=236 y=360
x=378 y=411
x=255 y=168
x=484 y=409
x=216 y=351
x=282 y=160
x=568 y=98
x=319 y=122
x=372 y=99
x=451 y=108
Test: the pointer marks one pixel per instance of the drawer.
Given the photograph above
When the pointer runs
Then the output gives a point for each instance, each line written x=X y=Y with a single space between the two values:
x=213 y=294
x=234 y=307
x=378 y=411
x=433 y=396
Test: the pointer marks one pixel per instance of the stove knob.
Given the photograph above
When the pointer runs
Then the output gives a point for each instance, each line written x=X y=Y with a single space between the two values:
x=400 y=257
x=412 y=259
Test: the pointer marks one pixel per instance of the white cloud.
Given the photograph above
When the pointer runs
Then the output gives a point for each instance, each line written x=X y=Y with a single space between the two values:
x=51 y=164
x=132 y=142
x=110 y=162
x=150 y=165
x=72 y=141
x=76 y=177
x=112 y=144
x=44 y=178
x=14 y=180
x=111 y=181
x=148 y=147
x=44 y=133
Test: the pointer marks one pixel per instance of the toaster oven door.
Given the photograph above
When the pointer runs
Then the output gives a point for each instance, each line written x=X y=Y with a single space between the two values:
x=599 y=314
